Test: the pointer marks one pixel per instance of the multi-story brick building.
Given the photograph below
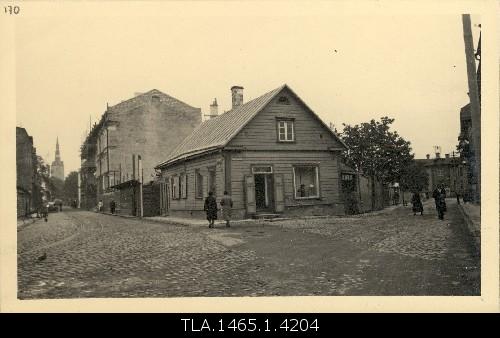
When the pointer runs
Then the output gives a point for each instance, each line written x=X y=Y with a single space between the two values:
x=26 y=172
x=149 y=125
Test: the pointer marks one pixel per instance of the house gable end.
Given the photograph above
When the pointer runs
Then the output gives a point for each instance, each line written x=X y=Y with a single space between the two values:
x=309 y=131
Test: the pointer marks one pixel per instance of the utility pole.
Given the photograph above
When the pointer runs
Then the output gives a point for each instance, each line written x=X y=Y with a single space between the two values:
x=79 y=189
x=474 y=104
x=139 y=172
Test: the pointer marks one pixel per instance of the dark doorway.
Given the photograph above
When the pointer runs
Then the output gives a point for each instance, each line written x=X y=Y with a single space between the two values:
x=264 y=198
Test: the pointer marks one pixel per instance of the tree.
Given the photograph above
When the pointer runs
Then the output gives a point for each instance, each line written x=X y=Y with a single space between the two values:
x=71 y=186
x=42 y=179
x=376 y=151
x=414 y=178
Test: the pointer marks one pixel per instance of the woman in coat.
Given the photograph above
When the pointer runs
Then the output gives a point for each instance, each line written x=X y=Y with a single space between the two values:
x=417 y=204
x=226 y=203
x=211 y=209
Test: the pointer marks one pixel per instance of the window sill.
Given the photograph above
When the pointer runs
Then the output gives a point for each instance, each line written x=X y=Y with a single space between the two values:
x=307 y=198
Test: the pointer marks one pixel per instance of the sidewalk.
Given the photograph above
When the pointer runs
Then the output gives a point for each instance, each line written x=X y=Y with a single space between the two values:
x=197 y=222
x=24 y=222
x=193 y=222
x=472 y=217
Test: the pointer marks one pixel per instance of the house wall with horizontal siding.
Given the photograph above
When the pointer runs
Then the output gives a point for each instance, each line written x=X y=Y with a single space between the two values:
x=191 y=205
x=282 y=163
x=261 y=132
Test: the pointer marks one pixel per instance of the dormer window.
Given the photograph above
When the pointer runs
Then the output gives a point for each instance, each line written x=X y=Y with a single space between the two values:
x=286 y=130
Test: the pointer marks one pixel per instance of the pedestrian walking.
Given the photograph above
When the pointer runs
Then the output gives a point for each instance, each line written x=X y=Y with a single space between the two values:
x=112 y=206
x=226 y=204
x=99 y=206
x=439 y=195
x=45 y=211
x=211 y=209
x=417 y=204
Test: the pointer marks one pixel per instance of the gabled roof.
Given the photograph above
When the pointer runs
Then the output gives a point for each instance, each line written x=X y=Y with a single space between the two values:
x=217 y=132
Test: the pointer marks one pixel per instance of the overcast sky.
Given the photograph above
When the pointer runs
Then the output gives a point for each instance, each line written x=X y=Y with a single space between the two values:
x=411 y=68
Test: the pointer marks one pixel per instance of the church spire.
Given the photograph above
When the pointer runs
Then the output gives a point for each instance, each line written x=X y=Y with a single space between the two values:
x=58 y=155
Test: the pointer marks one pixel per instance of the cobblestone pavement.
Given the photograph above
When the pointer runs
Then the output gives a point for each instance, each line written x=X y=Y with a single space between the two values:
x=391 y=253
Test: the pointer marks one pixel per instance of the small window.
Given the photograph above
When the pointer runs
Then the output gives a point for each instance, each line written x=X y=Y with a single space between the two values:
x=286 y=131
x=155 y=99
x=183 y=186
x=212 y=180
x=306 y=182
x=198 y=184
x=174 y=183
x=283 y=100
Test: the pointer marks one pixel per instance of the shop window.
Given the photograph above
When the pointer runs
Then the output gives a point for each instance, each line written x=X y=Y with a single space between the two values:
x=306 y=182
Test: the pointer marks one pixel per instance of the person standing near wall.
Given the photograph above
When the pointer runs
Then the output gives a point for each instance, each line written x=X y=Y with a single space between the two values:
x=227 y=204
x=417 y=204
x=211 y=209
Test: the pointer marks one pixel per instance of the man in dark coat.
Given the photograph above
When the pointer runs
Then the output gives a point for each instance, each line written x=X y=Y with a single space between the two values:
x=417 y=204
x=211 y=209
x=439 y=195
x=112 y=206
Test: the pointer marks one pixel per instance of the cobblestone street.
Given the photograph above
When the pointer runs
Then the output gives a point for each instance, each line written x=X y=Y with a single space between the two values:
x=389 y=253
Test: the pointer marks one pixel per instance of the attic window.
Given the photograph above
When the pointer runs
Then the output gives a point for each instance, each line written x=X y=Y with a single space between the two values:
x=155 y=99
x=283 y=100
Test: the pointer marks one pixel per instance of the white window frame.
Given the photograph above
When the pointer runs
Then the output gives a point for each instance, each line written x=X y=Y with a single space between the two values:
x=198 y=184
x=316 y=167
x=286 y=124
x=174 y=189
x=183 y=186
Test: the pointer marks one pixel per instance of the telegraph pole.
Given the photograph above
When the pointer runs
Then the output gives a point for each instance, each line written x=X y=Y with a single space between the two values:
x=139 y=172
x=474 y=104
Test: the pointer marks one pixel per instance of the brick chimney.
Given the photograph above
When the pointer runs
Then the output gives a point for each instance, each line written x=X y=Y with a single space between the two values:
x=237 y=96
x=428 y=156
x=438 y=155
x=214 y=109
x=447 y=155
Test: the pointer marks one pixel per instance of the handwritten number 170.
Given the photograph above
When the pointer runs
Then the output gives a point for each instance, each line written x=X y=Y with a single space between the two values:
x=11 y=10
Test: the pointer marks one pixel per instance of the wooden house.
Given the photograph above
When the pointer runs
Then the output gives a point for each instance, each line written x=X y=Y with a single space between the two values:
x=272 y=154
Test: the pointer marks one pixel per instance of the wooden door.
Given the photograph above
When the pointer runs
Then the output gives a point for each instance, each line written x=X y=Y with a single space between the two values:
x=250 y=194
x=279 y=195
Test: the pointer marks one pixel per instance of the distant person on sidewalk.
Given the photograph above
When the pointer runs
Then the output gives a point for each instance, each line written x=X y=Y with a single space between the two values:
x=439 y=195
x=99 y=206
x=227 y=204
x=417 y=204
x=211 y=209
x=112 y=206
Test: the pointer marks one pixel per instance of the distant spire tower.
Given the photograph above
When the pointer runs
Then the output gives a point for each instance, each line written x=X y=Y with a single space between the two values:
x=57 y=167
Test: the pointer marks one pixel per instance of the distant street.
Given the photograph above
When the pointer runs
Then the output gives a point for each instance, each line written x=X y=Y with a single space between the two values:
x=389 y=253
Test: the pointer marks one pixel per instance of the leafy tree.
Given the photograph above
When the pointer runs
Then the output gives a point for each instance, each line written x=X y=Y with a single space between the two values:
x=71 y=186
x=414 y=178
x=377 y=151
x=42 y=179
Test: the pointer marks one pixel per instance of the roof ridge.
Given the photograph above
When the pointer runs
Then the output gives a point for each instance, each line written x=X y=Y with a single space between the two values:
x=213 y=127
